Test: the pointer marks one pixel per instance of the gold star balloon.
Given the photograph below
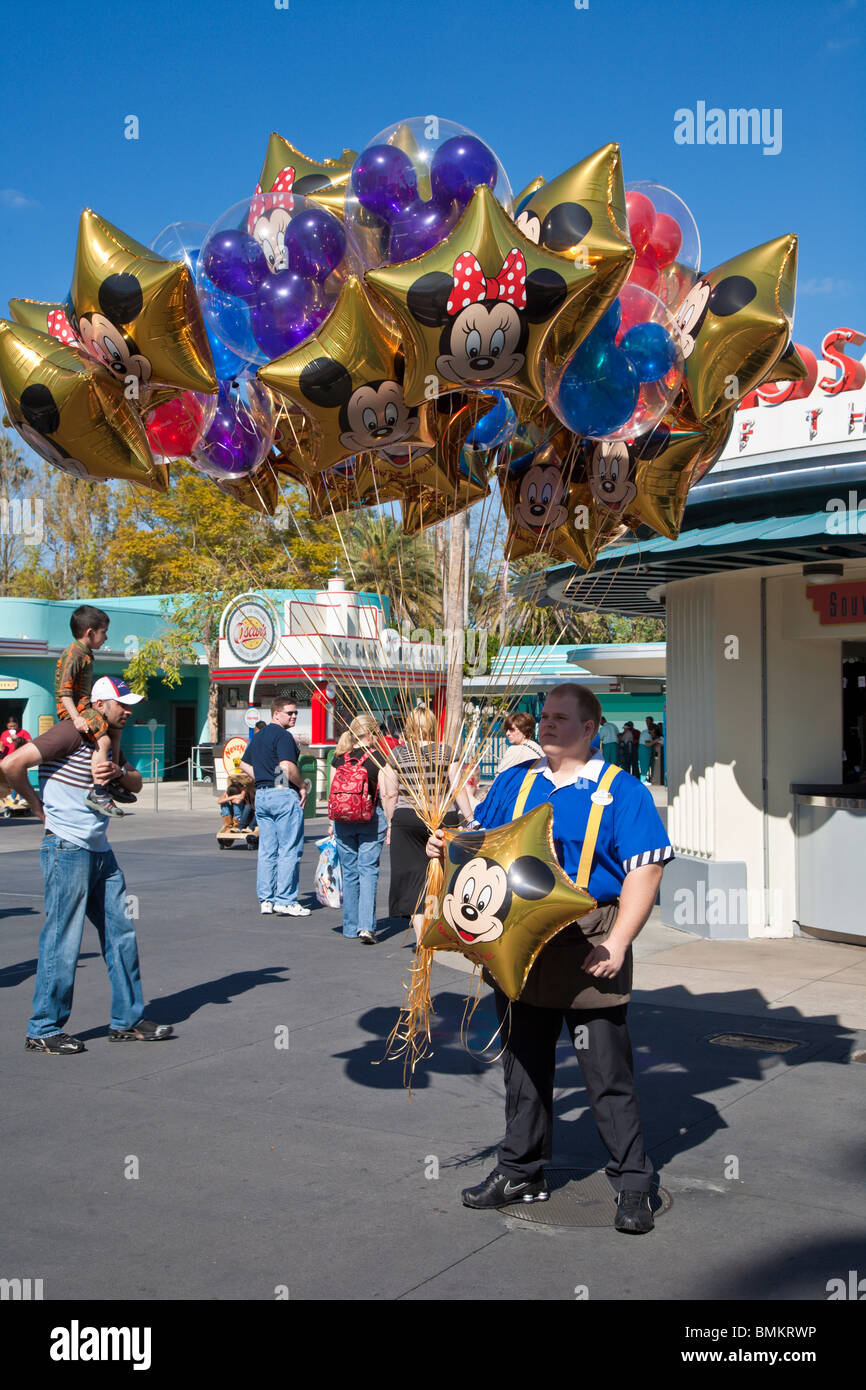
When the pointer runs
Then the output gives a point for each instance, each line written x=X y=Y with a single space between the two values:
x=258 y=490
x=348 y=380
x=324 y=182
x=582 y=215
x=476 y=311
x=734 y=324
x=137 y=313
x=545 y=497
x=72 y=413
x=504 y=897
x=646 y=481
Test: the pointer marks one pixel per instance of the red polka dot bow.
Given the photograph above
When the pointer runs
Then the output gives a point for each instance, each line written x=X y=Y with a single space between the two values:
x=280 y=196
x=471 y=285
x=60 y=327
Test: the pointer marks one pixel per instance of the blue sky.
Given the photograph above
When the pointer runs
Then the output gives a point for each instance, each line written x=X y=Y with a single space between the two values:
x=543 y=82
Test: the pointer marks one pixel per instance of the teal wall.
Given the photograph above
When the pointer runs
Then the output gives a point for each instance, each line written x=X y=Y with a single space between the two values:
x=130 y=620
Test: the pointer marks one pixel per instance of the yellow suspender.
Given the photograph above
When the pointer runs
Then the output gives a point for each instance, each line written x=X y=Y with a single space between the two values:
x=584 y=868
x=587 y=853
x=524 y=790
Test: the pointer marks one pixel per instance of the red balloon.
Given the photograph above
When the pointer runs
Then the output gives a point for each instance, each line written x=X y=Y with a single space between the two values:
x=666 y=239
x=645 y=272
x=174 y=428
x=641 y=219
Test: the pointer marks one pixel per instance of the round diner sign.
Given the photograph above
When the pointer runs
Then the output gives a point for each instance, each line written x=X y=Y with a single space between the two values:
x=251 y=631
x=233 y=753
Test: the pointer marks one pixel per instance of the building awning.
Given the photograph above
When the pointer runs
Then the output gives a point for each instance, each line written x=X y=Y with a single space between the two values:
x=627 y=578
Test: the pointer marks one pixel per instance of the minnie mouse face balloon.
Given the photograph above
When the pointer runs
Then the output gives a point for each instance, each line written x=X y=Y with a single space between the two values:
x=477 y=310
x=286 y=170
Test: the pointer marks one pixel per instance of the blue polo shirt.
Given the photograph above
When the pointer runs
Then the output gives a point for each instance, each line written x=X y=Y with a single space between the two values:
x=266 y=750
x=630 y=835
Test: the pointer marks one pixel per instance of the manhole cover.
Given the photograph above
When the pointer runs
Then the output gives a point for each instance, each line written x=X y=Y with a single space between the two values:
x=753 y=1041
x=579 y=1198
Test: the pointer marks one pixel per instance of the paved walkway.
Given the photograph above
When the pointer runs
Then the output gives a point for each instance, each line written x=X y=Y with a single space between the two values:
x=261 y=1165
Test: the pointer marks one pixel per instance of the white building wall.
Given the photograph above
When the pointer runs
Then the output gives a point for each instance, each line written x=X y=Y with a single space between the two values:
x=714 y=726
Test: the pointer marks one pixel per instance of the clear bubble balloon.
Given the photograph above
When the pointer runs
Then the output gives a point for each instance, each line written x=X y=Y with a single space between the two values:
x=241 y=433
x=624 y=375
x=268 y=274
x=665 y=236
x=411 y=183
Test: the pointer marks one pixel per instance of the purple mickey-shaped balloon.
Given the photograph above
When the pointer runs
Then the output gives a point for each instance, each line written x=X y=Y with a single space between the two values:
x=234 y=262
x=283 y=313
x=384 y=181
x=233 y=445
x=420 y=229
x=316 y=243
x=458 y=167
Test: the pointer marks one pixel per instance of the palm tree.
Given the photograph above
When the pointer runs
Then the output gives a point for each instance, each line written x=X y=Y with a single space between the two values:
x=385 y=561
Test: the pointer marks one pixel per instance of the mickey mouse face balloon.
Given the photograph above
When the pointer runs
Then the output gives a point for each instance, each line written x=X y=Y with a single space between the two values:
x=582 y=215
x=542 y=494
x=734 y=324
x=136 y=313
x=477 y=310
x=348 y=379
x=646 y=481
x=73 y=415
x=504 y=897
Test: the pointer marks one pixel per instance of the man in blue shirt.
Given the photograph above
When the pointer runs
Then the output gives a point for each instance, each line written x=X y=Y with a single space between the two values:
x=584 y=974
x=271 y=758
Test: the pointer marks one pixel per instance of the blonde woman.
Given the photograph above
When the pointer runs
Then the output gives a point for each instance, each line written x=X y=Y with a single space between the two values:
x=360 y=841
x=415 y=777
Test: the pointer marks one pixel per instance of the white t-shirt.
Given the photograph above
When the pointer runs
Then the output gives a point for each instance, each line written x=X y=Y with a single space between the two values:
x=608 y=733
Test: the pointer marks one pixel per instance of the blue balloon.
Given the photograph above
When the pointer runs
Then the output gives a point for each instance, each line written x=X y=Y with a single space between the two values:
x=650 y=349
x=227 y=317
x=608 y=324
x=596 y=403
x=495 y=428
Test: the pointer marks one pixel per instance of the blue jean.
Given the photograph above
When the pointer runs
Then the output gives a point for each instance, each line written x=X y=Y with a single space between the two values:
x=360 y=852
x=78 y=883
x=242 y=813
x=281 y=844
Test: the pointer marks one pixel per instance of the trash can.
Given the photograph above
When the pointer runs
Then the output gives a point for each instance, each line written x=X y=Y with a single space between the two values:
x=307 y=769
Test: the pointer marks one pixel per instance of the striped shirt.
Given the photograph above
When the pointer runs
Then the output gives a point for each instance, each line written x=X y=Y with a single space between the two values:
x=422 y=773
x=65 y=779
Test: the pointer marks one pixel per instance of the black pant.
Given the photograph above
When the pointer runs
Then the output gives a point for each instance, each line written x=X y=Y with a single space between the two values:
x=606 y=1066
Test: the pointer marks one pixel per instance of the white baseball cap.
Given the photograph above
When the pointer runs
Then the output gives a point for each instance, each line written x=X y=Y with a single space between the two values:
x=113 y=688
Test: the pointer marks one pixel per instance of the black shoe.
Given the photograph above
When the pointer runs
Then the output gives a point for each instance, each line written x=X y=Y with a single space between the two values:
x=143 y=1031
x=117 y=790
x=367 y=937
x=634 y=1215
x=500 y=1190
x=58 y=1044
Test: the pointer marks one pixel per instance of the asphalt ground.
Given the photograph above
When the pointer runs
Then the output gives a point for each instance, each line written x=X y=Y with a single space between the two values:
x=269 y=1151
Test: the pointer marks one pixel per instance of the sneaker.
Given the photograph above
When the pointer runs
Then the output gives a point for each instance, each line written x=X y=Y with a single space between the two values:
x=267 y=907
x=367 y=937
x=500 y=1190
x=634 y=1215
x=143 y=1031
x=291 y=910
x=56 y=1043
x=99 y=801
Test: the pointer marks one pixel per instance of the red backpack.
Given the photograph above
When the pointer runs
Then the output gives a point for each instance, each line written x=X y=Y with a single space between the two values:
x=349 y=798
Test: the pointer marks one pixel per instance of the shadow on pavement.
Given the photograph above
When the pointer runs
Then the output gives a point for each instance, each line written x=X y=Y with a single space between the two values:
x=176 y=1008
